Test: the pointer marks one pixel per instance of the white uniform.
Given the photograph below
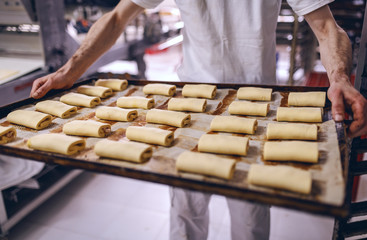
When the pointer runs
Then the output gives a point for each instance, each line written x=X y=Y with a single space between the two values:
x=226 y=41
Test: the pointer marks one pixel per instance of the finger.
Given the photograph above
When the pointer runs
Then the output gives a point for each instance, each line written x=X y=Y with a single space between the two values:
x=42 y=90
x=36 y=85
x=356 y=131
x=359 y=124
x=337 y=108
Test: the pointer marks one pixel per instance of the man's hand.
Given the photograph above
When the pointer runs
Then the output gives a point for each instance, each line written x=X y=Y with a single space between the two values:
x=344 y=97
x=99 y=39
x=56 y=80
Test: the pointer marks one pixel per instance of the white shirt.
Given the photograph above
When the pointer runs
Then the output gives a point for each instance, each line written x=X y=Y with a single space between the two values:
x=231 y=41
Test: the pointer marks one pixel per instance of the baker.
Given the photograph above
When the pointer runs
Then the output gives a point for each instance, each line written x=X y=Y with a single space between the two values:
x=232 y=42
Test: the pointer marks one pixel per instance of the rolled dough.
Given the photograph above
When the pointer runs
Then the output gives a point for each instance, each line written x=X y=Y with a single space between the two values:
x=282 y=177
x=296 y=131
x=299 y=114
x=135 y=102
x=77 y=99
x=150 y=135
x=307 y=99
x=172 y=118
x=57 y=143
x=187 y=104
x=233 y=124
x=128 y=151
x=223 y=144
x=206 y=164
x=159 y=89
x=114 y=84
x=199 y=91
x=31 y=119
x=254 y=93
x=248 y=108
x=87 y=128
x=97 y=91
x=56 y=108
x=299 y=151
x=7 y=134
x=116 y=114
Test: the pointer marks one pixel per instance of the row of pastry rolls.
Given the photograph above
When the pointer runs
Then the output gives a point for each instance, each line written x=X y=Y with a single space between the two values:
x=66 y=144
x=249 y=107
x=153 y=135
x=171 y=117
x=205 y=162
x=216 y=165
x=165 y=117
x=64 y=108
x=137 y=149
x=121 y=150
x=140 y=137
x=286 y=177
x=194 y=101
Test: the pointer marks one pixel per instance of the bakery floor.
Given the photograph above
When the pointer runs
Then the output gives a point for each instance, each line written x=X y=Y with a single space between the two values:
x=97 y=206
x=104 y=207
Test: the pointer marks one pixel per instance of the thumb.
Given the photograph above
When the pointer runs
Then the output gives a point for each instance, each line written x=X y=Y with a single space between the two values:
x=337 y=108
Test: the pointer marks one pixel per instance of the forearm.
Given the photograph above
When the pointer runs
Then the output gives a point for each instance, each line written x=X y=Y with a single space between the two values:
x=335 y=47
x=336 y=55
x=100 y=38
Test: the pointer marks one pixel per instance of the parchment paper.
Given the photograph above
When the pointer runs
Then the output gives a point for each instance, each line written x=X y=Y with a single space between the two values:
x=328 y=183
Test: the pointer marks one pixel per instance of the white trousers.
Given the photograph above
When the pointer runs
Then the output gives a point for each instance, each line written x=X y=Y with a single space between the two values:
x=189 y=217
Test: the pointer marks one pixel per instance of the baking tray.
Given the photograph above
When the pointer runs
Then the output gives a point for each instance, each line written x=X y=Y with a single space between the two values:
x=330 y=175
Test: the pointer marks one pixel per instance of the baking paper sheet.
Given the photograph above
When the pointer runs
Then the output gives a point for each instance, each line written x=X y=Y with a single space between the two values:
x=328 y=184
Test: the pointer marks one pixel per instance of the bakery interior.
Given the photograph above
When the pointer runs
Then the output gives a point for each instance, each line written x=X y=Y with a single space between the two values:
x=46 y=200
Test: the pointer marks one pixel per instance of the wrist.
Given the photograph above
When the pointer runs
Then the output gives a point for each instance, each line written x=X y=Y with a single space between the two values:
x=69 y=72
x=339 y=77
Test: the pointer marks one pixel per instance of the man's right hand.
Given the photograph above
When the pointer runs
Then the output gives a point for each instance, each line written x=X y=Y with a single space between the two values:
x=56 y=80
x=100 y=38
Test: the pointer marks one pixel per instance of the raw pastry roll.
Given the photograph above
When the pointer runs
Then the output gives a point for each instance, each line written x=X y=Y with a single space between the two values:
x=87 y=128
x=31 y=119
x=7 y=134
x=56 y=143
x=233 y=124
x=77 y=99
x=199 y=90
x=135 y=102
x=282 y=177
x=248 y=108
x=128 y=151
x=223 y=144
x=297 y=131
x=307 y=99
x=187 y=104
x=206 y=164
x=96 y=91
x=176 y=119
x=116 y=114
x=56 y=108
x=299 y=151
x=150 y=135
x=299 y=114
x=114 y=84
x=254 y=93
x=160 y=89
